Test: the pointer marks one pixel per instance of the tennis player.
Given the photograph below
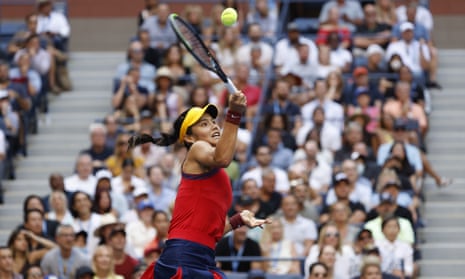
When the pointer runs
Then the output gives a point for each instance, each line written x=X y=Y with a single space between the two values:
x=204 y=194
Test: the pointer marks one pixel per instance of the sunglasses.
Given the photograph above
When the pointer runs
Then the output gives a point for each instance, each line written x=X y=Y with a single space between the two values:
x=336 y=234
x=320 y=275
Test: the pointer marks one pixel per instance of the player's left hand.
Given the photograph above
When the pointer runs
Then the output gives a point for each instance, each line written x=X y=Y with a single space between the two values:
x=250 y=221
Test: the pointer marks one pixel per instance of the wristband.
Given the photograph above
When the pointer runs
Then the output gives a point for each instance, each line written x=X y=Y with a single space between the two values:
x=233 y=117
x=236 y=221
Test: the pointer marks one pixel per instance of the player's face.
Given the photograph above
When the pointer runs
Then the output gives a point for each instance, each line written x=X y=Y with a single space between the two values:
x=207 y=130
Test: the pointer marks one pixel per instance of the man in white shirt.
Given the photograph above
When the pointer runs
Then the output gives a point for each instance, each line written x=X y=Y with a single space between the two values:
x=414 y=54
x=53 y=24
x=140 y=232
x=255 y=40
x=83 y=179
x=286 y=48
x=423 y=15
x=303 y=67
x=351 y=12
x=160 y=194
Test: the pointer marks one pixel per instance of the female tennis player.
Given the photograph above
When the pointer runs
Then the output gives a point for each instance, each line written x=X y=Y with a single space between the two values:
x=204 y=194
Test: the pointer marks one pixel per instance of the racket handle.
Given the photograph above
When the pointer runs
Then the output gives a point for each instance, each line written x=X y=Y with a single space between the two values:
x=230 y=86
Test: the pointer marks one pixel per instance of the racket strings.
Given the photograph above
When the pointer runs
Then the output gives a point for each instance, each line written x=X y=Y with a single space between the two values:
x=195 y=44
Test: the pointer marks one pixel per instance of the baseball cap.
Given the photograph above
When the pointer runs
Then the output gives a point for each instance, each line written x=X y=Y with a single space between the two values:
x=145 y=204
x=340 y=177
x=386 y=197
x=406 y=26
x=139 y=191
x=84 y=270
x=362 y=90
x=360 y=71
x=373 y=49
x=103 y=174
x=292 y=26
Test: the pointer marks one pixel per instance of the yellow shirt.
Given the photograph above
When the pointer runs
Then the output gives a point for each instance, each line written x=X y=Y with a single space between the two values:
x=114 y=163
x=405 y=234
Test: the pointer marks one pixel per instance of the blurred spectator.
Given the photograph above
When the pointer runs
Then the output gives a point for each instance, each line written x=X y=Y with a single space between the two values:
x=339 y=214
x=417 y=92
x=25 y=75
x=84 y=272
x=139 y=194
x=405 y=234
x=161 y=223
x=19 y=246
x=306 y=197
x=159 y=193
x=275 y=246
x=98 y=150
x=327 y=256
x=375 y=59
x=301 y=231
x=9 y=117
x=259 y=201
x=173 y=60
x=84 y=218
x=262 y=15
x=264 y=159
x=139 y=270
x=108 y=222
x=6 y=264
x=83 y=179
x=255 y=40
x=136 y=61
x=361 y=82
x=332 y=25
x=317 y=270
x=281 y=155
x=118 y=200
x=152 y=253
x=34 y=272
x=333 y=111
x=18 y=41
x=237 y=244
x=64 y=260
x=303 y=68
x=394 y=252
x=103 y=263
x=172 y=102
x=161 y=33
x=351 y=13
x=371 y=31
x=115 y=162
x=103 y=204
x=129 y=97
x=168 y=163
x=423 y=15
x=140 y=231
x=226 y=48
x=280 y=104
x=335 y=84
x=39 y=242
x=151 y=55
x=193 y=13
x=52 y=24
x=59 y=208
x=127 y=181
x=34 y=202
x=286 y=48
x=386 y=12
x=149 y=10
x=151 y=153
x=268 y=195
x=18 y=96
x=364 y=108
x=281 y=123
x=124 y=263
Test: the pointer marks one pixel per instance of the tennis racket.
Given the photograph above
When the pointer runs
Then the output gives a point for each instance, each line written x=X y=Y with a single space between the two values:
x=194 y=44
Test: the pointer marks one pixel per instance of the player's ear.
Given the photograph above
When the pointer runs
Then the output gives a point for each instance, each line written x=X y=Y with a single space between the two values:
x=189 y=138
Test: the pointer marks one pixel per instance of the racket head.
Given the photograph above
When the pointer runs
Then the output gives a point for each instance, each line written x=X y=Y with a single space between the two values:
x=195 y=45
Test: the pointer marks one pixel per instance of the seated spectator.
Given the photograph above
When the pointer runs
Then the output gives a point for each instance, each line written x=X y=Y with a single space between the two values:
x=274 y=245
x=165 y=94
x=268 y=195
x=193 y=13
x=119 y=203
x=375 y=59
x=281 y=123
x=64 y=260
x=335 y=83
x=351 y=13
x=124 y=263
x=151 y=55
x=307 y=199
x=338 y=56
x=423 y=15
x=159 y=192
x=25 y=75
x=149 y=10
x=417 y=93
x=361 y=80
x=286 y=48
x=18 y=41
x=264 y=17
x=173 y=59
x=84 y=218
x=113 y=128
x=161 y=33
x=140 y=231
x=371 y=31
x=281 y=155
x=59 y=208
x=9 y=117
x=48 y=226
x=84 y=272
x=139 y=194
x=317 y=270
x=33 y=272
x=386 y=12
x=394 y=252
x=298 y=229
x=136 y=61
x=103 y=263
x=237 y=244
x=115 y=162
x=125 y=183
x=363 y=107
x=255 y=40
x=102 y=203
x=327 y=256
x=251 y=200
x=83 y=179
x=339 y=215
x=98 y=150
x=406 y=233
x=53 y=24
x=169 y=162
x=129 y=97
x=161 y=223
x=303 y=68
x=6 y=264
x=151 y=153
x=19 y=246
x=40 y=242
x=333 y=25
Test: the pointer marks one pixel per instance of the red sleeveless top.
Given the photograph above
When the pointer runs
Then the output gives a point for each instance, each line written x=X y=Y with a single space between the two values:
x=201 y=206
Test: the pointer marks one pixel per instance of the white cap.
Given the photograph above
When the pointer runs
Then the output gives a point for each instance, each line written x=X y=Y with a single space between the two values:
x=373 y=49
x=101 y=174
x=3 y=93
x=406 y=26
x=139 y=191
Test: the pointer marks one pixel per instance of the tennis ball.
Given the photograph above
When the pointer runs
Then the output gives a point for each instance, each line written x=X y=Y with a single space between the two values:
x=229 y=16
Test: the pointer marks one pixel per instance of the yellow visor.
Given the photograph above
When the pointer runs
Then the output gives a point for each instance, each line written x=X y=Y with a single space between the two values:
x=193 y=115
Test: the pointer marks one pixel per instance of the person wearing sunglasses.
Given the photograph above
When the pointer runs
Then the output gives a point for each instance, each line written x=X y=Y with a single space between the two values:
x=318 y=270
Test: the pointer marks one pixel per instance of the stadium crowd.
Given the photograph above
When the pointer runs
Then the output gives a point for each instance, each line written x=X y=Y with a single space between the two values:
x=332 y=146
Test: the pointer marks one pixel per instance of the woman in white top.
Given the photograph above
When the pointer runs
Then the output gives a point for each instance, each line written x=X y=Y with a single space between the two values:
x=394 y=253
x=227 y=47
x=329 y=235
x=274 y=245
x=59 y=208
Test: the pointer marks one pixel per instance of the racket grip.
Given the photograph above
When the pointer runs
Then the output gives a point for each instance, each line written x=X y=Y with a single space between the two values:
x=230 y=86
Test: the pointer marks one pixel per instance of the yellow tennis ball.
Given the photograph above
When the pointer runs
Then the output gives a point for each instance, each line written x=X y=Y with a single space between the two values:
x=229 y=16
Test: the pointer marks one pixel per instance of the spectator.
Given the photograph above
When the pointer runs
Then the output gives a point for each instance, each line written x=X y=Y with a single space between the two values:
x=286 y=48
x=351 y=13
x=335 y=84
x=332 y=25
x=84 y=218
x=161 y=223
x=83 y=179
x=406 y=232
x=136 y=61
x=365 y=109
x=255 y=40
x=118 y=200
x=9 y=117
x=52 y=24
x=237 y=244
x=34 y=272
x=25 y=75
x=300 y=230
x=161 y=33
x=139 y=270
x=307 y=198
x=151 y=153
x=371 y=31
x=151 y=55
x=268 y=195
x=303 y=69
x=168 y=164
x=386 y=12
x=59 y=208
x=124 y=263
x=103 y=263
x=423 y=15
x=48 y=226
x=125 y=183
x=173 y=59
x=282 y=156
x=64 y=260
x=275 y=246
x=159 y=193
x=173 y=102
x=280 y=104
x=113 y=129
x=417 y=92
x=103 y=204
x=375 y=60
x=226 y=48
x=139 y=194
x=140 y=231
x=152 y=253
x=19 y=245
x=252 y=200
x=40 y=243
x=264 y=17
x=339 y=214
x=115 y=162
x=361 y=81
x=327 y=256
x=98 y=150
x=84 y=272
x=6 y=264
x=333 y=111
x=195 y=17
x=318 y=270
x=149 y=10
x=57 y=183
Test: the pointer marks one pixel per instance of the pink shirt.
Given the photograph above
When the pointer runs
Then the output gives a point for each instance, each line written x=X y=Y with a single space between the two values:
x=416 y=112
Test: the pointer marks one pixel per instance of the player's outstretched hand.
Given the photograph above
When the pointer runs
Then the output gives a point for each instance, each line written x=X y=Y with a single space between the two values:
x=237 y=102
x=250 y=221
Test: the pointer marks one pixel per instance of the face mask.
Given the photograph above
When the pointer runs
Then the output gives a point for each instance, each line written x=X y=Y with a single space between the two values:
x=395 y=65
x=360 y=169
